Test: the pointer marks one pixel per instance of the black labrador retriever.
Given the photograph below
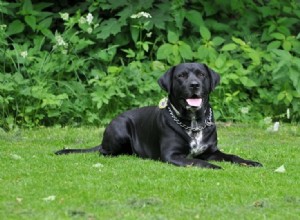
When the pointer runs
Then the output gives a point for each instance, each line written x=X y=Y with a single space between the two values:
x=180 y=131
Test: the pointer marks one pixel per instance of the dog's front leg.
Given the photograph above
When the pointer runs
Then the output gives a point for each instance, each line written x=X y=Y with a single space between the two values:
x=220 y=156
x=181 y=160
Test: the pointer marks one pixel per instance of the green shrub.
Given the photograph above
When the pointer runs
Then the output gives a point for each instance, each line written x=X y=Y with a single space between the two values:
x=84 y=62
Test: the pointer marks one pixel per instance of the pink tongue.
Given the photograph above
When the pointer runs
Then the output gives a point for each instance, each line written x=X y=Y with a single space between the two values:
x=194 y=102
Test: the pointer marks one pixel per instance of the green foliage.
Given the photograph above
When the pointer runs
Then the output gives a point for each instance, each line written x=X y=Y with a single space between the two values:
x=65 y=63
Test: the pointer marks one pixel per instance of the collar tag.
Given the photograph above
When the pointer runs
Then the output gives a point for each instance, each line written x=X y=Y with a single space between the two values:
x=163 y=103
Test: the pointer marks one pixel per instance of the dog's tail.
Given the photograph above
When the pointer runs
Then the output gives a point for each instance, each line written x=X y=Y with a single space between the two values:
x=76 y=151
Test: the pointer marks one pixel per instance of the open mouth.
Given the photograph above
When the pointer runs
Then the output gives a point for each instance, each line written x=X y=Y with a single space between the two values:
x=194 y=101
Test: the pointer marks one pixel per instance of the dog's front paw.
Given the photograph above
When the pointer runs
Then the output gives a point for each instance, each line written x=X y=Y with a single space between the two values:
x=251 y=163
x=212 y=166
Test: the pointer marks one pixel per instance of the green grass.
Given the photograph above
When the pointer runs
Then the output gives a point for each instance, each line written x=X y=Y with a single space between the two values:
x=87 y=186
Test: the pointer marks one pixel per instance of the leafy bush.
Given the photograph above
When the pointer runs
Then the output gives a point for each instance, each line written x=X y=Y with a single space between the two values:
x=84 y=62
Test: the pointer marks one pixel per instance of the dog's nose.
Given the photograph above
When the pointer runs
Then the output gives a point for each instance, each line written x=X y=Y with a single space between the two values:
x=194 y=85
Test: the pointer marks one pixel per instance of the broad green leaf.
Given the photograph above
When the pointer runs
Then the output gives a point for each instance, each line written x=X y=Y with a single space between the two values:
x=217 y=41
x=145 y=46
x=274 y=45
x=238 y=41
x=255 y=57
x=247 y=82
x=114 y=69
x=31 y=21
x=195 y=17
x=202 y=52
x=205 y=33
x=103 y=55
x=48 y=33
x=27 y=7
x=289 y=96
x=109 y=53
x=109 y=27
x=38 y=41
x=284 y=55
x=220 y=61
x=15 y=27
x=285 y=30
x=4 y=9
x=42 y=5
x=296 y=93
x=233 y=76
x=172 y=37
x=159 y=17
x=287 y=45
x=83 y=43
x=272 y=28
x=179 y=18
x=281 y=95
x=185 y=51
x=45 y=24
x=294 y=76
x=266 y=11
x=118 y=4
x=164 y=51
x=157 y=65
x=125 y=13
x=175 y=50
x=174 y=58
x=209 y=8
x=229 y=47
x=134 y=33
x=278 y=36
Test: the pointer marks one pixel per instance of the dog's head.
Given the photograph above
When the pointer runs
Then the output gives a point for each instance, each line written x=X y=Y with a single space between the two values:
x=189 y=84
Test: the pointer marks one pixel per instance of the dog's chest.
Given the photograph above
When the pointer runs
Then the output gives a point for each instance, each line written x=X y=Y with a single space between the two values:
x=197 y=145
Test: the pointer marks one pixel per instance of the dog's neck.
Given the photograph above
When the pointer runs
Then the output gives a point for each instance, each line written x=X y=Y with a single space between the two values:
x=193 y=125
x=192 y=115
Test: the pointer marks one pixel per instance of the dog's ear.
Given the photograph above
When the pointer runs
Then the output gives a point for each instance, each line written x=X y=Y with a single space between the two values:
x=214 y=78
x=165 y=81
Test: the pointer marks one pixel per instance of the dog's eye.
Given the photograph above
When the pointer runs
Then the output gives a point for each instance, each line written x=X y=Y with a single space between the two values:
x=200 y=74
x=182 y=75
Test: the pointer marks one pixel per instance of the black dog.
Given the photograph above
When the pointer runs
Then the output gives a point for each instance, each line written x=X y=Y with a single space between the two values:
x=181 y=132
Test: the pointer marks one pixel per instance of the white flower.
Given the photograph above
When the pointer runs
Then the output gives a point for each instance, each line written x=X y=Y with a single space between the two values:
x=245 y=110
x=288 y=115
x=146 y=15
x=268 y=120
x=149 y=34
x=24 y=54
x=60 y=41
x=89 y=30
x=141 y=14
x=3 y=27
x=64 y=16
x=82 y=20
x=89 y=18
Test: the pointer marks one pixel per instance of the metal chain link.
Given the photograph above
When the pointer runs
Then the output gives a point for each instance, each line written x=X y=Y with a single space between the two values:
x=208 y=121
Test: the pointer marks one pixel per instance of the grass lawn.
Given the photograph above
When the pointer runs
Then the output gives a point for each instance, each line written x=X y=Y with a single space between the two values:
x=36 y=184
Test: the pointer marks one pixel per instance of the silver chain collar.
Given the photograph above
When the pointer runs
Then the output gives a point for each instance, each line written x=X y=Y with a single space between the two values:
x=208 y=122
